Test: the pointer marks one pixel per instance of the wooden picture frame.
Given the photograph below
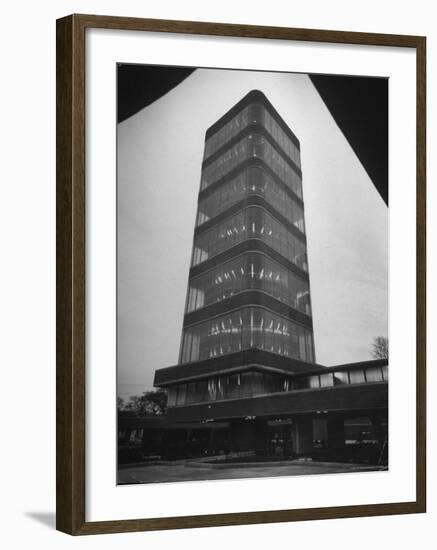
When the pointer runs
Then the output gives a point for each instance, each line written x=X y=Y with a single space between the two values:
x=71 y=254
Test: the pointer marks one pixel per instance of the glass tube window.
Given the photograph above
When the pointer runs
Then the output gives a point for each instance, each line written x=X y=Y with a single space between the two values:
x=326 y=380
x=261 y=115
x=244 y=329
x=252 y=146
x=255 y=113
x=238 y=153
x=253 y=383
x=306 y=382
x=374 y=374
x=251 y=223
x=247 y=272
x=231 y=386
x=229 y=130
x=341 y=378
x=252 y=181
x=356 y=376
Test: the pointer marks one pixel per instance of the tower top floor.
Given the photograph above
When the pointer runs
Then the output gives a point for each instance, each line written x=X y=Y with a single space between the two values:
x=253 y=97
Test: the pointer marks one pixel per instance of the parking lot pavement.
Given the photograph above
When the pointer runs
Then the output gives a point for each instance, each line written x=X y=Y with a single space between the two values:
x=153 y=473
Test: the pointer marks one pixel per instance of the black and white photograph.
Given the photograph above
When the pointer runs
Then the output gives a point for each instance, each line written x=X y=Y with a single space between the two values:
x=252 y=274
x=217 y=283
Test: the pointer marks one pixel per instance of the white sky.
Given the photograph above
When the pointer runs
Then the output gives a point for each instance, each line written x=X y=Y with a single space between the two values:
x=160 y=151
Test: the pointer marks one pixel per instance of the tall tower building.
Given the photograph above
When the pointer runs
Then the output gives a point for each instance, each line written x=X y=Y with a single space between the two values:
x=248 y=283
x=248 y=308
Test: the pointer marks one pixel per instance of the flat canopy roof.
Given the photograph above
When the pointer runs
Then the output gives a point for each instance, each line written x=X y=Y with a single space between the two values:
x=248 y=360
x=250 y=97
x=233 y=362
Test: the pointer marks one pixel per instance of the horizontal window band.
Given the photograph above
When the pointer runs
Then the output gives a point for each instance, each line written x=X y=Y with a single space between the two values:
x=252 y=97
x=253 y=128
x=249 y=252
x=185 y=374
x=249 y=245
x=251 y=200
x=247 y=299
x=238 y=359
x=248 y=163
x=255 y=359
x=229 y=371
x=266 y=393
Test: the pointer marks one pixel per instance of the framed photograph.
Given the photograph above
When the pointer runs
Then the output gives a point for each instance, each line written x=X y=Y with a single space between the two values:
x=240 y=248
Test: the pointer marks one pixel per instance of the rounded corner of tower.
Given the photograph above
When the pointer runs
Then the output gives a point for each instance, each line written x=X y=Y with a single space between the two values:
x=258 y=94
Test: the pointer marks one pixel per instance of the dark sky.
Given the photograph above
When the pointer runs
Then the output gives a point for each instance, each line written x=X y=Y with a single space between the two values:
x=359 y=105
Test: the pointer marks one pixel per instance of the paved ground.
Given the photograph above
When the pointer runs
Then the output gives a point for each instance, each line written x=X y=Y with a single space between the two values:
x=190 y=471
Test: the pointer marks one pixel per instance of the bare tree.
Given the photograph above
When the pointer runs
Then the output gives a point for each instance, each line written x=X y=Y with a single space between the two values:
x=380 y=347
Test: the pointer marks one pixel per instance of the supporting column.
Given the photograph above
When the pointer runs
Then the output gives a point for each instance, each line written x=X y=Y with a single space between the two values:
x=376 y=421
x=248 y=435
x=242 y=435
x=303 y=435
x=382 y=437
x=211 y=449
x=187 y=445
x=261 y=436
x=336 y=435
